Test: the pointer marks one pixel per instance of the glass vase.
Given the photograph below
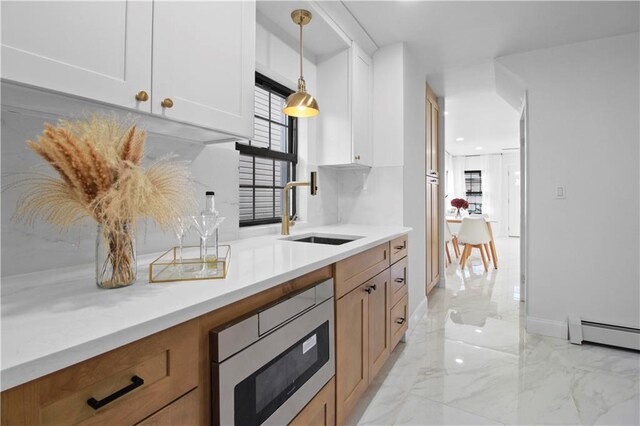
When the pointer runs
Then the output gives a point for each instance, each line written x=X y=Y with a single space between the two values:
x=116 y=264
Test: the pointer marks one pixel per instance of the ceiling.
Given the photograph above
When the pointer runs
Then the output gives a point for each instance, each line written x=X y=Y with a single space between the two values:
x=484 y=120
x=456 y=43
x=453 y=34
x=320 y=39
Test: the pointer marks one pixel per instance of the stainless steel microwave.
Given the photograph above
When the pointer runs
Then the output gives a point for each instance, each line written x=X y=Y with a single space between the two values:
x=267 y=367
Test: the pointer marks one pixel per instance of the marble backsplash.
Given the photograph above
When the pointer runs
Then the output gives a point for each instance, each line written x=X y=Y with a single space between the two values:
x=214 y=167
x=41 y=247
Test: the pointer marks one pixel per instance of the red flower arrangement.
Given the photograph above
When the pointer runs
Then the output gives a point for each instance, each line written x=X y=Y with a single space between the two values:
x=460 y=203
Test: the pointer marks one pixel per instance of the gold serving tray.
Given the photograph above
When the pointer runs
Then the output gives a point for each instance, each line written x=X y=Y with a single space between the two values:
x=169 y=268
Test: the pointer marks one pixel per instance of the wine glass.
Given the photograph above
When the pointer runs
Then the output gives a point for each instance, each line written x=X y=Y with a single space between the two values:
x=180 y=228
x=206 y=225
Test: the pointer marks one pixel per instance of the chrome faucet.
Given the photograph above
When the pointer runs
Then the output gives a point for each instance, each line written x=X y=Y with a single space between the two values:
x=286 y=220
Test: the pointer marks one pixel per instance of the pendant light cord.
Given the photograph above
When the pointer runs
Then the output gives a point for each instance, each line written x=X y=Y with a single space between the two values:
x=301 y=74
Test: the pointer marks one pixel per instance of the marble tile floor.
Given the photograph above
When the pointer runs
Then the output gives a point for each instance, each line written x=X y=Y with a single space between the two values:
x=469 y=361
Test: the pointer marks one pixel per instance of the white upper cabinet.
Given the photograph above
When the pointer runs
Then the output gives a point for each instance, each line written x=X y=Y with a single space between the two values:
x=95 y=50
x=200 y=56
x=362 y=106
x=345 y=85
x=204 y=62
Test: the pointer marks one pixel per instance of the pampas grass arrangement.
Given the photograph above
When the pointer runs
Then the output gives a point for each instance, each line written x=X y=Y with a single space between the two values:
x=98 y=162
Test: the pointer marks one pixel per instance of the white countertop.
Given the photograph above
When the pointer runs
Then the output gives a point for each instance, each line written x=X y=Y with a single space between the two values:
x=57 y=318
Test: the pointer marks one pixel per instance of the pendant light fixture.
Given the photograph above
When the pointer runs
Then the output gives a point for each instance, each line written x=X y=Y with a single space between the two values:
x=301 y=103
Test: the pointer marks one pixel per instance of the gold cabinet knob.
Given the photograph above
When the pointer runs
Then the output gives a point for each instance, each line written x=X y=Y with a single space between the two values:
x=167 y=103
x=142 y=96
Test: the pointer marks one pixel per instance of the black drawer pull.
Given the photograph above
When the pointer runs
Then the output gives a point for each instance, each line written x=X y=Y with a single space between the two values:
x=398 y=247
x=374 y=286
x=399 y=280
x=136 y=382
x=368 y=290
x=400 y=321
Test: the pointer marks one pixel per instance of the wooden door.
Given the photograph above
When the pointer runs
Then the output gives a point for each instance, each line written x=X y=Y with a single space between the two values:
x=435 y=136
x=352 y=350
x=95 y=50
x=435 y=235
x=204 y=62
x=427 y=133
x=361 y=106
x=432 y=194
x=379 y=325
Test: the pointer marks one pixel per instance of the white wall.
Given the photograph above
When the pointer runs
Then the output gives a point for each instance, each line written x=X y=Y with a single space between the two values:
x=393 y=191
x=583 y=120
x=388 y=105
x=414 y=178
x=214 y=167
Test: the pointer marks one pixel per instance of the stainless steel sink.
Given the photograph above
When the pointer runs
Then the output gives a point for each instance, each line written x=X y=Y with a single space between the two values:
x=329 y=239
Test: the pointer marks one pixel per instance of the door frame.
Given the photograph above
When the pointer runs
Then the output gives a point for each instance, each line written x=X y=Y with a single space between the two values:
x=510 y=170
x=524 y=200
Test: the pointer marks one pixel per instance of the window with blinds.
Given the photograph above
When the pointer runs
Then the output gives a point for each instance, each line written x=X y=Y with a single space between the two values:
x=473 y=184
x=268 y=161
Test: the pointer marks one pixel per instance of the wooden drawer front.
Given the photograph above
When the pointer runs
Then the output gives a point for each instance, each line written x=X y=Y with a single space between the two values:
x=321 y=410
x=166 y=362
x=184 y=411
x=399 y=321
x=399 y=248
x=352 y=272
x=399 y=279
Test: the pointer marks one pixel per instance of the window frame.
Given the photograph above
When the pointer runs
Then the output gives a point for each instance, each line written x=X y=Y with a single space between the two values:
x=291 y=156
x=468 y=194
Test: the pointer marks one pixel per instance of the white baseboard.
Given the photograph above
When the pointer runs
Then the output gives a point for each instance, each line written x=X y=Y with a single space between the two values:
x=545 y=327
x=417 y=314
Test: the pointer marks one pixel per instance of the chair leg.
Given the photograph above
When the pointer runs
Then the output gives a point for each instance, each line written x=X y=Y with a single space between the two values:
x=488 y=252
x=465 y=254
x=456 y=246
x=446 y=249
x=484 y=258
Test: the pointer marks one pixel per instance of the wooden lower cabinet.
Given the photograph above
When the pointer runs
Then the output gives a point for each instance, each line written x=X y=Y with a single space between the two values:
x=321 y=410
x=352 y=350
x=368 y=326
x=399 y=320
x=164 y=362
x=183 y=412
x=379 y=335
x=363 y=340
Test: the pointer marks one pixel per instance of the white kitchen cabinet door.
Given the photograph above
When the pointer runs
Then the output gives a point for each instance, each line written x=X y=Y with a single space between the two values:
x=362 y=106
x=204 y=62
x=93 y=49
x=345 y=86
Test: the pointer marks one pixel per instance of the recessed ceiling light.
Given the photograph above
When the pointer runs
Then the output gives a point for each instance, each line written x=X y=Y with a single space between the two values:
x=459 y=139
x=459 y=360
x=478 y=148
x=446 y=113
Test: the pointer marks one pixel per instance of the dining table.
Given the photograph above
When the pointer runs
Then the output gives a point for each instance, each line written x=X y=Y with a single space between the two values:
x=492 y=243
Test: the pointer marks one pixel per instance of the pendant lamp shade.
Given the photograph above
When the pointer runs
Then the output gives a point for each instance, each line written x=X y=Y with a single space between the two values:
x=301 y=103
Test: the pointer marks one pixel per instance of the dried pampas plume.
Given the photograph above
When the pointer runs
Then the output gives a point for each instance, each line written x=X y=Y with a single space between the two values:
x=98 y=161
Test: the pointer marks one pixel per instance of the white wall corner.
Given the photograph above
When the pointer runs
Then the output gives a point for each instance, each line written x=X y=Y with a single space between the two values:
x=545 y=327
x=417 y=314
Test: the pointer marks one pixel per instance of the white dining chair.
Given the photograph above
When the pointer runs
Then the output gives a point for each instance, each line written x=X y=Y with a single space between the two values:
x=487 y=249
x=473 y=234
x=449 y=237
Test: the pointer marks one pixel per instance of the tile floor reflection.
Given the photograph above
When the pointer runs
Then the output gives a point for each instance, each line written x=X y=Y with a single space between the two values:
x=469 y=361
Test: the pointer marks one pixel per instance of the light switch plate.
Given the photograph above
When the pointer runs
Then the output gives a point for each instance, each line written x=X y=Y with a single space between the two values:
x=561 y=192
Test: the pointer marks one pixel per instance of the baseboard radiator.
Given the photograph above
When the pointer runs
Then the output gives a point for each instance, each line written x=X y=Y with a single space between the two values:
x=613 y=335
